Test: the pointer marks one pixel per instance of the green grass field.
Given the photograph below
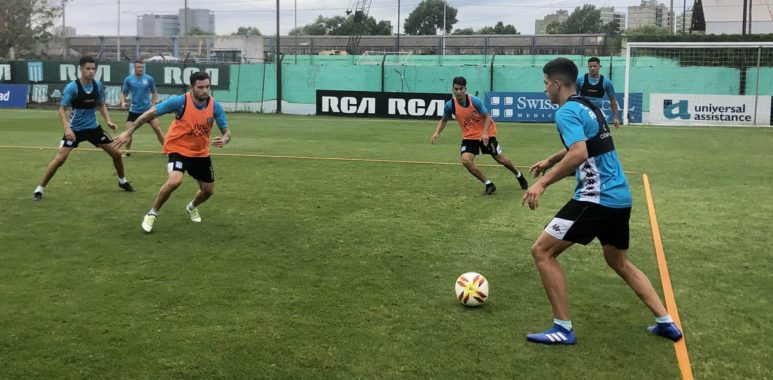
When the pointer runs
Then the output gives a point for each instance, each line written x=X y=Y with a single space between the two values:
x=310 y=268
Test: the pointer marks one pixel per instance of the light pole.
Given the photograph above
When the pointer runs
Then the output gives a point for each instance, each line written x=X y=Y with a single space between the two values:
x=118 y=53
x=398 y=26
x=445 y=5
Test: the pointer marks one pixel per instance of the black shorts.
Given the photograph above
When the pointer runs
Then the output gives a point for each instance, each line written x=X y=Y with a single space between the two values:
x=134 y=115
x=199 y=168
x=476 y=147
x=580 y=222
x=95 y=136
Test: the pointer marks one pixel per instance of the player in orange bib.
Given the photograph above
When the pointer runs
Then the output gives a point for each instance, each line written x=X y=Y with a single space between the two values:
x=478 y=134
x=187 y=143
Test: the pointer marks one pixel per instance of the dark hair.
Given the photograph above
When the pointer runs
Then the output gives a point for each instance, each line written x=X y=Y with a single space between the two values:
x=136 y=61
x=86 y=59
x=562 y=69
x=594 y=59
x=460 y=81
x=197 y=76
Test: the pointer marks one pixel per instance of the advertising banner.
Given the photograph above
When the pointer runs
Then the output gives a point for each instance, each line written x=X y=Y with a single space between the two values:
x=13 y=95
x=691 y=109
x=381 y=104
x=536 y=108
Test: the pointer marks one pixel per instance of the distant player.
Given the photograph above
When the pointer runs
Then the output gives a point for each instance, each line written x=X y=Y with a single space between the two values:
x=186 y=144
x=84 y=95
x=142 y=89
x=600 y=208
x=478 y=134
x=594 y=87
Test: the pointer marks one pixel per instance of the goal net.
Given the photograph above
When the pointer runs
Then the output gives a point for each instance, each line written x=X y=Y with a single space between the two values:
x=700 y=83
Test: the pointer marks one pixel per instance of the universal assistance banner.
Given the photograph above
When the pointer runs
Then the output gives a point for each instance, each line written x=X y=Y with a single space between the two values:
x=13 y=95
x=535 y=107
x=690 y=109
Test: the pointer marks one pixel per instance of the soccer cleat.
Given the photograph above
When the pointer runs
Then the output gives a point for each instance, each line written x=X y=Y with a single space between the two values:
x=126 y=186
x=490 y=189
x=147 y=222
x=554 y=335
x=666 y=330
x=195 y=217
x=36 y=196
x=523 y=182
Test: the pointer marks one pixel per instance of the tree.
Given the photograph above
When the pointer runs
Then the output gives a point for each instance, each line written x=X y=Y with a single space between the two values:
x=24 y=23
x=583 y=20
x=612 y=28
x=247 y=31
x=427 y=18
x=196 y=31
x=553 y=28
x=648 y=30
x=499 y=28
x=342 y=26
x=464 y=32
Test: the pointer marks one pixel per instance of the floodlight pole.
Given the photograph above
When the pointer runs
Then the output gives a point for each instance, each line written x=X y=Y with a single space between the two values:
x=118 y=44
x=278 y=60
x=445 y=5
x=398 y=26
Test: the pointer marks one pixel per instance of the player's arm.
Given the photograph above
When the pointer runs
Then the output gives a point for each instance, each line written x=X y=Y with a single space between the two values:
x=543 y=166
x=124 y=91
x=103 y=107
x=142 y=119
x=610 y=91
x=572 y=159
x=486 y=125
x=65 y=123
x=441 y=125
x=126 y=136
x=222 y=124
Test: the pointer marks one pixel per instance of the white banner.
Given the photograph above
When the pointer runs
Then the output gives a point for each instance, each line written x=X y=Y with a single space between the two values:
x=691 y=109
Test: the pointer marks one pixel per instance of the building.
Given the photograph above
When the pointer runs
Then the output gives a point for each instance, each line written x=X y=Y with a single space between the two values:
x=608 y=15
x=540 y=26
x=683 y=22
x=157 y=25
x=69 y=31
x=202 y=19
x=726 y=16
x=650 y=12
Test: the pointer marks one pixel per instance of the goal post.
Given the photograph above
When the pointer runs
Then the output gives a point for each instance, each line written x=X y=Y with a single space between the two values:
x=705 y=83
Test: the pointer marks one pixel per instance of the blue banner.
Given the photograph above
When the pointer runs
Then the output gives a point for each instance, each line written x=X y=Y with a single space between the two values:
x=13 y=95
x=536 y=108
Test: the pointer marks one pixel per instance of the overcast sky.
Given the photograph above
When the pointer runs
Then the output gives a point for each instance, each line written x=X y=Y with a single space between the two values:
x=98 y=17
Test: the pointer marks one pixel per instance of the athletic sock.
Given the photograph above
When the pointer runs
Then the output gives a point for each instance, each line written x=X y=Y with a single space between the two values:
x=153 y=212
x=488 y=182
x=664 y=319
x=518 y=174
x=191 y=206
x=39 y=189
x=565 y=324
x=122 y=180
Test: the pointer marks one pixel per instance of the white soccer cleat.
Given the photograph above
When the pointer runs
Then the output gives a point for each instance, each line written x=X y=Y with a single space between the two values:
x=147 y=222
x=195 y=217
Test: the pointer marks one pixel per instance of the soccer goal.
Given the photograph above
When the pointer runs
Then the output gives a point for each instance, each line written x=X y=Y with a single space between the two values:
x=373 y=57
x=682 y=83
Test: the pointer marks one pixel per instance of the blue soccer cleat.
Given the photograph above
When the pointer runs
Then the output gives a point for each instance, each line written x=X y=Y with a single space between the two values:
x=554 y=335
x=666 y=330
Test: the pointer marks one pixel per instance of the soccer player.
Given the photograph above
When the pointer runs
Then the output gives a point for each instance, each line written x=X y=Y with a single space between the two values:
x=478 y=134
x=84 y=95
x=186 y=144
x=142 y=88
x=600 y=208
x=594 y=86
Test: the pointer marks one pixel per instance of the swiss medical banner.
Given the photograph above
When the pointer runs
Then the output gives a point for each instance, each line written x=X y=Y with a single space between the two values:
x=13 y=95
x=690 y=109
x=535 y=107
